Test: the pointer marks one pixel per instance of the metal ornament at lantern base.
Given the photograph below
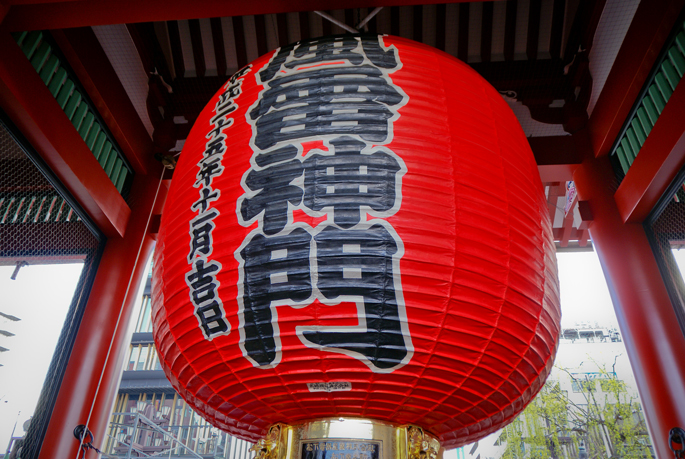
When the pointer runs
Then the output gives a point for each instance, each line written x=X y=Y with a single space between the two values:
x=347 y=438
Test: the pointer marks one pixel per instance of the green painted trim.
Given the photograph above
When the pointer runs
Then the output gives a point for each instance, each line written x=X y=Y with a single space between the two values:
x=40 y=56
x=644 y=120
x=639 y=133
x=665 y=77
x=72 y=105
x=57 y=82
x=64 y=95
x=625 y=164
x=49 y=69
x=36 y=208
x=30 y=43
x=63 y=87
x=99 y=143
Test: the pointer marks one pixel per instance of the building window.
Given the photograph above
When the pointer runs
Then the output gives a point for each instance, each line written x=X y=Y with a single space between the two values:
x=143 y=357
x=144 y=324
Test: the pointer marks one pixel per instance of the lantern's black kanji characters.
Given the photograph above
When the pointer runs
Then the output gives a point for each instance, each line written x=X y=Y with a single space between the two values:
x=231 y=92
x=274 y=269
x=209 y=168
x=360 y=263
x=275 y=192
x=317 y=51
x=240 y=73
x=203 y=284
x=216 y=146
x=207 y=195
x=201 y=228
x=383 y=58
x=330 y=49
x=348 y=180
x=268 y=158
x=219 y=123
x=325 y=101
x=313 y=52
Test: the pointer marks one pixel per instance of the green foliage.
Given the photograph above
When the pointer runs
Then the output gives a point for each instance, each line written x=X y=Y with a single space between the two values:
x=604 y=422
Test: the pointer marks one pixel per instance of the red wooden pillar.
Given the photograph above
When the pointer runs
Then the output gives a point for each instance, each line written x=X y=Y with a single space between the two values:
x=92 y=375
x=653 y=338
x=124 y=259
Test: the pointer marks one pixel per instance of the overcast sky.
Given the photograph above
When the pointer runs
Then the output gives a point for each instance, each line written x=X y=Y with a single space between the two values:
x=41 y=296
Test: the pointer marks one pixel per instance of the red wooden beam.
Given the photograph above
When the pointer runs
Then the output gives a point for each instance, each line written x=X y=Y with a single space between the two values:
x=657 y=164
x=557 y=157
x=555 y=190
x=583 y=238
x=91 y=378
x=552 y=150
x=30 y=106
x=30 y=15
x=3 y=11
x=95 y=72
x=574 y=234
x=648 y=321
x=646 y=36
x=586 y=215
x=556 y=172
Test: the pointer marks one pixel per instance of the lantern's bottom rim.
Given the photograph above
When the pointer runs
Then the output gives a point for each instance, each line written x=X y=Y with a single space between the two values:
x=347 y=438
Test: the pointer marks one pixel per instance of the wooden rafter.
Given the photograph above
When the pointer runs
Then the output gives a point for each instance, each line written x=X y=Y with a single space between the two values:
x=36 y=15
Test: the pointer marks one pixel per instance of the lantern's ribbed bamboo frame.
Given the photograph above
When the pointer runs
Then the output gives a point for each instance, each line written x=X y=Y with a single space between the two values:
x=347 y=438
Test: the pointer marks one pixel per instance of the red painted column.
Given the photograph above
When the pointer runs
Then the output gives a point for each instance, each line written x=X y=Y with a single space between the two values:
x=653 y=338
x=124 y=259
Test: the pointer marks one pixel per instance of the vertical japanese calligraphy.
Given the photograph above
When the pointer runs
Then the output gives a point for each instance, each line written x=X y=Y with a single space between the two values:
x=202 y=277
x=339 y=91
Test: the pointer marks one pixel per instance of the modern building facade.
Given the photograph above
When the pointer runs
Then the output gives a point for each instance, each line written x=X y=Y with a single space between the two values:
x=96 y=90
x=150 y=419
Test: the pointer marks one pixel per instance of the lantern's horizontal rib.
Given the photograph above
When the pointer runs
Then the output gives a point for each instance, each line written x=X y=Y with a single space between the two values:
x=666 y=75
x=62 y=85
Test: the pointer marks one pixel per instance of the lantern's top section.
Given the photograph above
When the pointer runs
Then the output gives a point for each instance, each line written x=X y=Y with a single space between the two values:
x=356 y=227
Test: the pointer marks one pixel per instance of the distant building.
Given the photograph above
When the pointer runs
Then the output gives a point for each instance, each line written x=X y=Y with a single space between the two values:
x=591 y=334
x=150 y=419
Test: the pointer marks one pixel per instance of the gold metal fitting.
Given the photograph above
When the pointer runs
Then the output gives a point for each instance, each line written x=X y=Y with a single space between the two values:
x=347 y=438
x=269 y=446
x=420 y=445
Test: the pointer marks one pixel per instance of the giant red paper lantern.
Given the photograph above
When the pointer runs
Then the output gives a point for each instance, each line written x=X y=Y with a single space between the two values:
x=356 y=227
